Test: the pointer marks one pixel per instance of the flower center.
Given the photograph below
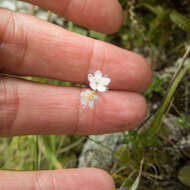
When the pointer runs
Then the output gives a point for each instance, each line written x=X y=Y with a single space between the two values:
x=90 y=96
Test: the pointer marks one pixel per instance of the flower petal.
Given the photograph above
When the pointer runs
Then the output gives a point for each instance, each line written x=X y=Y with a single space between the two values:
x=88 y=92
x=90 y=77
x=95 y=98
x=93 y=85
x=88 y=98
x=82 y=94
x=98 y=75
x=105 y=81
x=83 y=100
x=91 y=104
x=101 y=88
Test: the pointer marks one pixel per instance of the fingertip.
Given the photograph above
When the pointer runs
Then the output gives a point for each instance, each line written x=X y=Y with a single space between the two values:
x=103 y=178
x=134 y=111
x=140 y=75
x=127 y=70
x=102 y=16
x=115 y=18
x=140 y=111
x=121 y=110
x=91 y=178
x=145 y=74
x=82 y=178
x=108 y=20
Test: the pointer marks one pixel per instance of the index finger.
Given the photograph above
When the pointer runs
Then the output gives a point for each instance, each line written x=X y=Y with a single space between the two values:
x=100 y=15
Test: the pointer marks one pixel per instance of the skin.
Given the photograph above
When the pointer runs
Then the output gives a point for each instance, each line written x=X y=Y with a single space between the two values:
x=30 y=46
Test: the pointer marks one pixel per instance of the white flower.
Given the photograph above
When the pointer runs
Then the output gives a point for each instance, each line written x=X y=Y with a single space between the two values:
x=98 y=82
x=88 y=97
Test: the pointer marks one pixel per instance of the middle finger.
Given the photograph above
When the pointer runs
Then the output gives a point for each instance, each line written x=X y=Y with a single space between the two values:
x=33 y=108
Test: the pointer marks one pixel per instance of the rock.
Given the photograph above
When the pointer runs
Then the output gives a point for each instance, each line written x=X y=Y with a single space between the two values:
x=8 y=4
x=15 y=5
x=26 y=8
x=171 y=129
x=184 y=143
x=98 y=151
x=41 y=14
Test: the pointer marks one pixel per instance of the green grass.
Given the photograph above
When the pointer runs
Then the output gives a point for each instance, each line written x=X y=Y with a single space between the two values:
x=48 y=152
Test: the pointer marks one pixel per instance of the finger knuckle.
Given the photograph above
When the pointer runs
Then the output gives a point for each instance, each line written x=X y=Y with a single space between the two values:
x=7 y=25
x=9 y=103
x=44 y=181
x=13 y=37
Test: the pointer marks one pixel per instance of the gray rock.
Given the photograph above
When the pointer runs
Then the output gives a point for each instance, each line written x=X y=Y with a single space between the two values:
x=98 y=151
x=15 y=5
x=8 y=4
x=184 y=143
x=20 y=6
x=174 y=131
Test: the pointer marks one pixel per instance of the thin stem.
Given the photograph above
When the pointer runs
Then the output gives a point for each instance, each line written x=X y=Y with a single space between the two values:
x=32 y=10
x=180 y=66
x=37 y=152
x=170 y=92
x=48 y=16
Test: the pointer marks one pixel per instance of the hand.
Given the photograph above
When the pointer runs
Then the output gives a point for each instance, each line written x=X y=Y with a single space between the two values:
x=30 y=46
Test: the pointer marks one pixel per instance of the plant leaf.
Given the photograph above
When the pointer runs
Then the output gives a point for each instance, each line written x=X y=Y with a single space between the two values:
x=180 y=20
x=158 y=117
x=184 y=176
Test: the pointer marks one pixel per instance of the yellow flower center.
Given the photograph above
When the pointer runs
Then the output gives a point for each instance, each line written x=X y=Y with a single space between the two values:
x=90 y=96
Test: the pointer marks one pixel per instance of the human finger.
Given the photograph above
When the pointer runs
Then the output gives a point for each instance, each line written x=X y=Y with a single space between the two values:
x=30 y=46
x=68 y=179
x=100 y=15
x=33 y=108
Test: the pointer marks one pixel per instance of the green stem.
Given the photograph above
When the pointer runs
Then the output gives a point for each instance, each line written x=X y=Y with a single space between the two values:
x=162 y=109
